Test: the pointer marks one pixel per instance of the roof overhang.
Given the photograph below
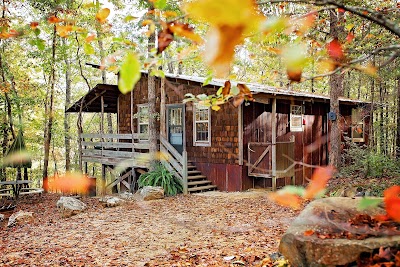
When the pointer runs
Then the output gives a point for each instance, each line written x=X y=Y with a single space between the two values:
x=91 y=102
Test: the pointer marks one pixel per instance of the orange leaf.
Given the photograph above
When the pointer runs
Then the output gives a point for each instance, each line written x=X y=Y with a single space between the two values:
x=294 y=75
x=335 y=50
x=393 y=191
x=184 y=30
x=318 y=181
x=165 y=37
x=286 y=199
x=308 y=233
x=102 y=15
x=63 y=31
x=90 y=38
x=69 y=183
x=34 y=25
x=53 y=19
x=227 y=88
x=245 y=91
x=341 y=10
x=392 y=206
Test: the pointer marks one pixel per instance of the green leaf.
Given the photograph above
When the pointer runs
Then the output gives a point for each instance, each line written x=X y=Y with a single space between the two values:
x=40 y=44
x=129 y=73
x=36 y=31
x=160 y=4
x=129 y=18
x=157 y=73
x=207 y=80
x=88 y=48
x=369 y=203
x=235 y=90
x=295 y=190
x=219 y=92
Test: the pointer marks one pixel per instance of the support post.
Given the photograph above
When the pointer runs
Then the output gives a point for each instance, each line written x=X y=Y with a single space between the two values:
x=163 y=131
x=185 y=171
x=273 y=125
x=240 y=134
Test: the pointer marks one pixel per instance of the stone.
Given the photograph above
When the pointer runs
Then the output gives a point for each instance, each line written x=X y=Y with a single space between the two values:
x=110 y=201
x=330 y=215
x=2 y=217
x=69 y=206
x=20 y=217
x=127 y=196
x=152 y=192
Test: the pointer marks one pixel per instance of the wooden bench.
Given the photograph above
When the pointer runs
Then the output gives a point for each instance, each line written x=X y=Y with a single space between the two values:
x=29 y=191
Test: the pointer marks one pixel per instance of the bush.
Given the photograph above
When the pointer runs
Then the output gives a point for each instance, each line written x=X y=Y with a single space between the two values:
x=361 y=161
x=160 y=176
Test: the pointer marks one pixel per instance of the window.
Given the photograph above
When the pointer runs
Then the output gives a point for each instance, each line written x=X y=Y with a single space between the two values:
x=357 y=128
x=296 y=118
x=143 y=122
x=201 y=126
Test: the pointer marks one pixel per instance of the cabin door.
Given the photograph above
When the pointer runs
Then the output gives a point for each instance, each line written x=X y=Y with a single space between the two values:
x=176 y=126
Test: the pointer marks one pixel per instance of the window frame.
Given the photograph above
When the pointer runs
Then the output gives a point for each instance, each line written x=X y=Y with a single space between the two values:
x=296 y=128
x=140 y=123
x=356 y=121
x=195 y=122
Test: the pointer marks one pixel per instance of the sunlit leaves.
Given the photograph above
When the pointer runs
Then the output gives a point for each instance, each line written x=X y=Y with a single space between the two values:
x=231 y=21
x=170 y=29
x=88 y=48
x=129 y=73
x=102 y=15
x=90 y=38
x=34 y=25
x=53 y=19
x=160 y=4
x=63 y=31
x=295 y=59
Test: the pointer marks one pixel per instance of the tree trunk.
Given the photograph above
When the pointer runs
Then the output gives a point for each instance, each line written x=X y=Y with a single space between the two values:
x=151 y=95
x=67 y=136
x=398 y=120
x=336 y=90
x=49 y=122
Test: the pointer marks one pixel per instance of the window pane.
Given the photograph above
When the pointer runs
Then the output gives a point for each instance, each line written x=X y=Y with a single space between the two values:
x=202 y=131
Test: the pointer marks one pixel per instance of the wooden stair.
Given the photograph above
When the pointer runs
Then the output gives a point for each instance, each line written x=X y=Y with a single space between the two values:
x=197 y=182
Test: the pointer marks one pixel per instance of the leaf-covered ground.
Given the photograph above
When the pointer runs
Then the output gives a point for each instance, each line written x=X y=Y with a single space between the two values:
x=213 y=229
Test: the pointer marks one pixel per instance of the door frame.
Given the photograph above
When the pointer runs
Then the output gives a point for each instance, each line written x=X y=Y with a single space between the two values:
x=177 y=105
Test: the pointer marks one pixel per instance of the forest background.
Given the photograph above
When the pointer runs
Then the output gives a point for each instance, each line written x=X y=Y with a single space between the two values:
x=329 y=47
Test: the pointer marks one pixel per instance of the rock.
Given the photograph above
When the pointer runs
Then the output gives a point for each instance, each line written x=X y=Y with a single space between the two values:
x=152 y=192
x=20 y=217
x=326 y=216
x=70 y=206
x=110 y=201
x=1 y=217
x=127 y=196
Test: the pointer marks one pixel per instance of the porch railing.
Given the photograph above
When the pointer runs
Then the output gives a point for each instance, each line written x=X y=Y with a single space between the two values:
x=111 y=149
x=174 y=161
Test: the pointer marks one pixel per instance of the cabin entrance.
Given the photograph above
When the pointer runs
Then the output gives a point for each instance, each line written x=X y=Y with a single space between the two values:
x=176 y=126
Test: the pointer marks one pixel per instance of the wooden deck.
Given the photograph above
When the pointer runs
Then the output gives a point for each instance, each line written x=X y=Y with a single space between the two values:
x=115 y=149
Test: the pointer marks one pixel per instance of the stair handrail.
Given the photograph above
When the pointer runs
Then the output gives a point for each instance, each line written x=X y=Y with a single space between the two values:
x=173 y=157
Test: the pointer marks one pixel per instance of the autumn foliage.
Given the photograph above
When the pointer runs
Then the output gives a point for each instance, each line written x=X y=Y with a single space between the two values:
x=69 y=183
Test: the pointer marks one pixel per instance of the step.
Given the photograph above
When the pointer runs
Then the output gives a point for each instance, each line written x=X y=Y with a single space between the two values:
x=202 y=182
x=194 y=172
x=197 y=177
x=200 y=188
x=191 y=167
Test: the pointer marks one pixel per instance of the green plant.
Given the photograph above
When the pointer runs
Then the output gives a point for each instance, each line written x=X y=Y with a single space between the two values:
x=160 y=176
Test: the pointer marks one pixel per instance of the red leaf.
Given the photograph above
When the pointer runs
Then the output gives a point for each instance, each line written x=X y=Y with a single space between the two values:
x=227 y=88
x=341 y=10
x=53 y=19
x=308 y=233
x=318 y=181
x=335 y=50
x=34 y=25
x=392 y=206
x=165 y=37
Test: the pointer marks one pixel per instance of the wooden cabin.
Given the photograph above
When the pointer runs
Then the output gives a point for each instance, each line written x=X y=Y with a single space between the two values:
x=256 y=145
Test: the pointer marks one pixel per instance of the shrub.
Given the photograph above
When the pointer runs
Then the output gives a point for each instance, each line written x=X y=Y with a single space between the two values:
x=361 y=161
x=160 y=176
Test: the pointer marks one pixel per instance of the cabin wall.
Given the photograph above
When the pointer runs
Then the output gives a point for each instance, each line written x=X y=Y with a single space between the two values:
x=310 y=146
x=219 y=162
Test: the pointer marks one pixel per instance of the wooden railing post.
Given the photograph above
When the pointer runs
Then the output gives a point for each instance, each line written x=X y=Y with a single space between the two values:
x=185 y=172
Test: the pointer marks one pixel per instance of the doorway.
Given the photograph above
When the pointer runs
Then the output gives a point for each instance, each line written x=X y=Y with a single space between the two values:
x=176 y=126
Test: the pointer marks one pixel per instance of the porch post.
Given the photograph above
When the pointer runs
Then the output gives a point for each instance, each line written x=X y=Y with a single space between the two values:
x=163 y=131
x=273 y=125
x=240 y=133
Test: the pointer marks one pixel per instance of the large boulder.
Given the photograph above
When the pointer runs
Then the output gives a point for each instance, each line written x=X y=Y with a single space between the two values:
x=69 y=206
x=20 y=217
x=322 y=234
x=110 y=201
x=152 y=192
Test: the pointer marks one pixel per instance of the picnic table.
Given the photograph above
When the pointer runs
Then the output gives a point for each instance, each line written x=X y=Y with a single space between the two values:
x=16 y=186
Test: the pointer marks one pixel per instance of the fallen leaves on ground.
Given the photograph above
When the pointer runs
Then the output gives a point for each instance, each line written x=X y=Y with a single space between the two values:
x=195 y=230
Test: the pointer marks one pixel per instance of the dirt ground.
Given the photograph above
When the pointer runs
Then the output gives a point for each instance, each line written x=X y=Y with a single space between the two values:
x=208 y=229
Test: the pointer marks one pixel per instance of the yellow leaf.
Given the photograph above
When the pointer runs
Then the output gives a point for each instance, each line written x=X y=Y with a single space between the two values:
x=102 y=15
x=230 y=21
x=216 y=108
